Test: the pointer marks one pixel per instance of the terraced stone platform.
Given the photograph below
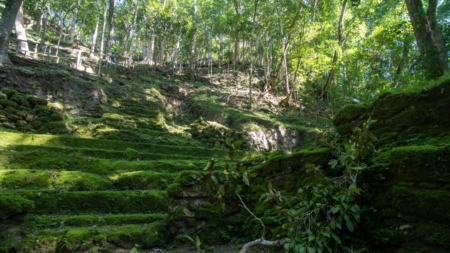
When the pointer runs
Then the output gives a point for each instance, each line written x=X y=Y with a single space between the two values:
x=63 y=193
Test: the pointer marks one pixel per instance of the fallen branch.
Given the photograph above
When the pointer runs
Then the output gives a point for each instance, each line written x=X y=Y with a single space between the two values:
x=263 y=242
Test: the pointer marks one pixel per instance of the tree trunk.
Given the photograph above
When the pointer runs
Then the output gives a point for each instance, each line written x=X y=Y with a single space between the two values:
x=151 y=50
x=193 y=41
x=313 y=9
x=428 y=51
x=94 y=36
x=45 y=25
x=340 y=39
x=102 y=40
x=20 y=30
x=252 y=38
x=111 y=26
x=6 y=25
x=133 y=35
x=436 y=34
x=74 y=21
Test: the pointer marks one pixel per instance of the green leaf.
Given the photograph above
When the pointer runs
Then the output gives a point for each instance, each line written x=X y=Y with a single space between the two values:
x=349 y=223
x=333 y=163
x=252 y=174
x=311 y=250
x=228 y=141
x=134 y=250
x=237 y=143
x=302 y=250
x=334 y=209
x=336 y=238
x=245 y=178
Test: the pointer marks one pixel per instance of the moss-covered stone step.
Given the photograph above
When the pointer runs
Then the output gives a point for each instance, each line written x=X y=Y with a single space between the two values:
x=91 y=239
x=422 y=164
x=91 y=202
x=61 y=221
x=118 y=149
x=129 y=154
x=83 y=181
x=422 y=203
x=48 y=179
x=38 y=160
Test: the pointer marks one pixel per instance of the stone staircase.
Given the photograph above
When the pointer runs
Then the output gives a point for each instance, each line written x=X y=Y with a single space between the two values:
x=69 y=194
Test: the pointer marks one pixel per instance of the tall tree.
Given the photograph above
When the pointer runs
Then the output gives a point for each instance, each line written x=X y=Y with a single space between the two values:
x=193 y=41
x=6 y=25
x=436 y=33
x=429 y=53
x=74 y=21
x=94 y=35
x=111 y=26
x=340 y=40
x=20 y=30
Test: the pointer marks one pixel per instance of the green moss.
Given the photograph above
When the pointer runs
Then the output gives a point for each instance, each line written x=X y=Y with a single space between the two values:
x=420 y=164
x=422 y=203
x=12 y=203
x=48 y=202
x=348 y=117
x=436 y=234
x=174 y=190
x=189 y=178
x=7 y=103
x=131 y=154
x=23 y=179
x=35 y=101
x=76 y=239
x=56 y=117
x=51 y=221
x=287 y=171
x=144 y=180
x=206 y=211
x=387 y=237
x=81 y=181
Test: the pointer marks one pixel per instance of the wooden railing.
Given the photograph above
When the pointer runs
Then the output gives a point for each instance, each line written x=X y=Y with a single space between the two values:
x=51 y=53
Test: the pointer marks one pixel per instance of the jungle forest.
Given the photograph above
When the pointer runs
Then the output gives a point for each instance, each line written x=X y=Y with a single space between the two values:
x=306 y=126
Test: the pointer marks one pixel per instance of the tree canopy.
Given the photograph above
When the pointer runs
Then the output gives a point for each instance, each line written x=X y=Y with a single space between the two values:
x=336 y=49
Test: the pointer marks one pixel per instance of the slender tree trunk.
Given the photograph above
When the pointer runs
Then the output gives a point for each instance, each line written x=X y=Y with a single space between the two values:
x=151 y=50
x=313 y=9
x=436 y=34
x=193 y=41
x=340 y=39
x=94 y=36
x=44 y=25
x=111 y=26
x=102 y=40
x=428 y=51
x=6 y=25
x=133 y=35
x=252 y=38
x=176 y=53
x=20 y=30
x=74 y=21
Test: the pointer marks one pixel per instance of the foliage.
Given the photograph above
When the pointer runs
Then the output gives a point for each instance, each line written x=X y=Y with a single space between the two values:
x=324 y=208
x=195 y=242
x=315 y=218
